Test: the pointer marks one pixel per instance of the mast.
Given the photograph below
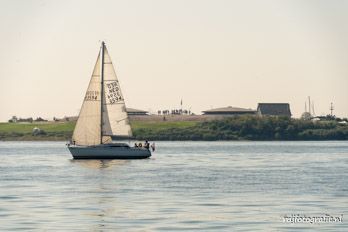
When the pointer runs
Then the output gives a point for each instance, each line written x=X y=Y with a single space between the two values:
x=309 y=105
x=313 y=108
x=305 y=107
x=102 y=91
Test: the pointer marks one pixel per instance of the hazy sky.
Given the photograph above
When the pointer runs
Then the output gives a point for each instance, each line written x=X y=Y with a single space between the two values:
x=210 y=53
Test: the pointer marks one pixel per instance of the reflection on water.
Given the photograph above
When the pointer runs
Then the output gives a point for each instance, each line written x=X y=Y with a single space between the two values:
x=99 y=164
x=203 y=186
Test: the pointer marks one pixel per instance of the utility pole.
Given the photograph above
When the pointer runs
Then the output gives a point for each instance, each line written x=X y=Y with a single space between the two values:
x=331 y=109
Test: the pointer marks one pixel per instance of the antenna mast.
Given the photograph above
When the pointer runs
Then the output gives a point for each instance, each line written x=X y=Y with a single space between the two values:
x=309 y=104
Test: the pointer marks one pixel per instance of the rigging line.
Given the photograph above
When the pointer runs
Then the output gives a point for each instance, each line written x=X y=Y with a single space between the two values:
x=120 y=120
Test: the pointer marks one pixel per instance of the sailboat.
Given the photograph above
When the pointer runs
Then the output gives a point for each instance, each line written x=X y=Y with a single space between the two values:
x=103 y=119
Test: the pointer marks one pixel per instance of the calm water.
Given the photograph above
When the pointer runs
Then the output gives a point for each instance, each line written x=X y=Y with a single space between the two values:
x=216 y=186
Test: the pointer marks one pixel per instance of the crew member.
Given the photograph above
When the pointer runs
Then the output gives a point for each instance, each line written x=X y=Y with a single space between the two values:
x=147 y=144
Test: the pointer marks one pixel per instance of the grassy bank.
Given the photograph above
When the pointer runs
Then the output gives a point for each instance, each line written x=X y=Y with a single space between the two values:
x=53 y=131
x=23 y=131
x=233 y=128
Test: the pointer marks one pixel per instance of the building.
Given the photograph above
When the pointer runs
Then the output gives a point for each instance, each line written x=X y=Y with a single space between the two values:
x=14 y=119
x=25 y=120
x=131 y=111
x=274 y=109
x=39 y=119
x=229 y=111
x=70 y=118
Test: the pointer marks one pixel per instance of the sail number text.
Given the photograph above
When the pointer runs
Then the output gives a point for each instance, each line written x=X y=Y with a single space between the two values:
x=113 y=93
x=92 y=95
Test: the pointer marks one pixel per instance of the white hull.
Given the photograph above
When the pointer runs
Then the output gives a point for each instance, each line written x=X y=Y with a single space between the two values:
x=108 y=151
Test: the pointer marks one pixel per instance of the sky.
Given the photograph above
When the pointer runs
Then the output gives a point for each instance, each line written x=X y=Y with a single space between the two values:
x=210 y=54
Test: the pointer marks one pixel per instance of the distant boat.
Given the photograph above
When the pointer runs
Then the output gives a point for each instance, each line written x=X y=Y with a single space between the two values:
x=103 y=118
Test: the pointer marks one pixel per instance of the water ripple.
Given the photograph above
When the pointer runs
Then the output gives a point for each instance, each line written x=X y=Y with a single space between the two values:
x=185 y=186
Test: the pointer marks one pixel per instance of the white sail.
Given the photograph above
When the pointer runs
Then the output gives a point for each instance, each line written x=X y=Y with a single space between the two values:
x=115 y=118
x=103 y=112
x=102 y=117
x=87 y=129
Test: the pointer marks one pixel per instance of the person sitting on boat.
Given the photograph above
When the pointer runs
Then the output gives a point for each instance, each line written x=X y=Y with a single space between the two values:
x=135 y=145
x=147 y=144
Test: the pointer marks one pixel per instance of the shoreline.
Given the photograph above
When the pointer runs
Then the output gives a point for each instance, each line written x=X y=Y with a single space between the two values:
x=243 y=128
x=61 y=140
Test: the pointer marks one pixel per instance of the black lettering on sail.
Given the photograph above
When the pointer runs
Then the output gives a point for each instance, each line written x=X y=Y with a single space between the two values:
x=92 y=96
x=113 y=92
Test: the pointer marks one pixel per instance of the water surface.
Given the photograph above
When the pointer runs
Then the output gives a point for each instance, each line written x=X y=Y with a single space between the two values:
x=184 y=186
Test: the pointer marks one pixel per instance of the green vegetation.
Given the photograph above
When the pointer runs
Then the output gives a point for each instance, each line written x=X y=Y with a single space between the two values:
x=177 y=130
x=246 y=128
x=232 y=128
x=23 y=131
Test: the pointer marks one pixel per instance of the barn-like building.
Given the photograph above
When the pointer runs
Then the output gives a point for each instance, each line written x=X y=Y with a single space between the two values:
x=131 y=111
x=274 y=109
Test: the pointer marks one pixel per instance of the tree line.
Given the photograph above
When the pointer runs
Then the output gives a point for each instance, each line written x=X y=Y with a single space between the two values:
x=250 y=128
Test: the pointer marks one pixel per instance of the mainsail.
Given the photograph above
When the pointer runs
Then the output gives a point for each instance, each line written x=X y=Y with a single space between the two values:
x=103 y=113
